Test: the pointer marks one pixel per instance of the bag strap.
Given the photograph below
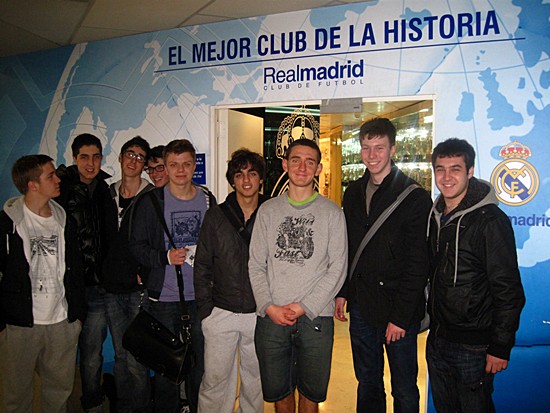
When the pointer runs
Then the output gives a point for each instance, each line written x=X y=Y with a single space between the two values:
x=184 y=312
x=232 y=217
x=378 y=223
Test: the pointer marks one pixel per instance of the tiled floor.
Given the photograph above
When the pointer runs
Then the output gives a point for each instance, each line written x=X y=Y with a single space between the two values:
x=342 y=386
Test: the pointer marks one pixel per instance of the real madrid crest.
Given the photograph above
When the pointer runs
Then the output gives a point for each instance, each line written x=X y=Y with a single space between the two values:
x=301 y=124
x=516 y=181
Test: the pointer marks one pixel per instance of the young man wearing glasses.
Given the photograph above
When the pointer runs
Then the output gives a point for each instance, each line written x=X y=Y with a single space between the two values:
x=85 y=196
x=123 y=277
x=155 y=167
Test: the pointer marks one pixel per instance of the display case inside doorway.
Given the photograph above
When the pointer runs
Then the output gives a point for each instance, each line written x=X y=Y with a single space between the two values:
x=413 y=148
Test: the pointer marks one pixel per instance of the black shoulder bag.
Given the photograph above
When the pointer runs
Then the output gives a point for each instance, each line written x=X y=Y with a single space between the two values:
x=152 y=343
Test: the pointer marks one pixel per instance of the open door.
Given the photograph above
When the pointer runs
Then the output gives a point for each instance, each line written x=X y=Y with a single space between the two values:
x=235 y=130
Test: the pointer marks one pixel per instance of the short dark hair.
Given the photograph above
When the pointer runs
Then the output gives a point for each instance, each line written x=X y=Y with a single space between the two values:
x=455 y=147
x=85 y=139
x=378 y=127
x=156 y=152
x=242 y=158
x=26 y=169
x=178 y=146
x=140 y=143
x=304 y=142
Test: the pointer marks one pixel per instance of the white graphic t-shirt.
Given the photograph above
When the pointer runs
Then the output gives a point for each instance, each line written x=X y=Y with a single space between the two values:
x=46 y=268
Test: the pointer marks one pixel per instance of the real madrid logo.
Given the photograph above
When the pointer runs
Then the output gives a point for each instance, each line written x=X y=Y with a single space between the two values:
x=301 y=124
x=516 y=181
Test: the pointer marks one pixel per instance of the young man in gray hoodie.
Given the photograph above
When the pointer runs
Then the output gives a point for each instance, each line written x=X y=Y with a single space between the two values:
x=298 y=262
x=41 y=291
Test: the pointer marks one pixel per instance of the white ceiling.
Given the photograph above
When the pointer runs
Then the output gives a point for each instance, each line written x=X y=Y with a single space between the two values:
x=33 y=25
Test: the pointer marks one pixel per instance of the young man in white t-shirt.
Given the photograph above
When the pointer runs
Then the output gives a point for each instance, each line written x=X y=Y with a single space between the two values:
x=41 y=291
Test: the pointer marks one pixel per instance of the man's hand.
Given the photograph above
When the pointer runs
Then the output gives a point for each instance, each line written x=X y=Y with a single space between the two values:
x=296 y=309
x=394 y=333
x=495 y=365
x=177 y=256
x=280 y=315
x=339 y=312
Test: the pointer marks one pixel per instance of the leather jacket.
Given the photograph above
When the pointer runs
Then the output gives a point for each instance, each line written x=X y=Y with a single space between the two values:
x=89 y=212
x=221 y=262
x=476 y=292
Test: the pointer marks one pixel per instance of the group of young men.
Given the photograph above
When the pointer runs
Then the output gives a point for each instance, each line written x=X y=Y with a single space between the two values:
x=262 y=278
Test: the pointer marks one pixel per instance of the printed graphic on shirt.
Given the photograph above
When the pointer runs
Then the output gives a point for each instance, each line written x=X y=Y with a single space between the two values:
x=185 y=227
x=44 y=264
x=295 y=239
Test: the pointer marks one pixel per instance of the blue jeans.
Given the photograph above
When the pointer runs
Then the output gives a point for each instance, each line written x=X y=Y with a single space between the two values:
x=457 y=376
x=166 y=393
x=367 y=344
x=131 y=377
x=295 y=356
x=90 y=342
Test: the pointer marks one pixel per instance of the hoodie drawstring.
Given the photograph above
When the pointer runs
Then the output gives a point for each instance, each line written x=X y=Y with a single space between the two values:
x=456 y=248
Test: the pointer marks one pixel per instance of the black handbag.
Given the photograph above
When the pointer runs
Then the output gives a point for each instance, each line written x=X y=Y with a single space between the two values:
x=152 y=343
x=155 y=346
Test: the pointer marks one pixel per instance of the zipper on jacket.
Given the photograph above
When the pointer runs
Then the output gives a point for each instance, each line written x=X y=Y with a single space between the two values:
x=432 y=291
x=445 y=257
x=433 y=282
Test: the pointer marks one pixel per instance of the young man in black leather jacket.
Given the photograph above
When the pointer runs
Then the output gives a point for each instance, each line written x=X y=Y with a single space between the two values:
x=225 y=301
x=85 y=197
x=476 y=292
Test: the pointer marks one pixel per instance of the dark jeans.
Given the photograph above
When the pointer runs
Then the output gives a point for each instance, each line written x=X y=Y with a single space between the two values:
x=367 y=344
x=90 y=342
x=457 y=376
x=166 y=393
x=131 y=377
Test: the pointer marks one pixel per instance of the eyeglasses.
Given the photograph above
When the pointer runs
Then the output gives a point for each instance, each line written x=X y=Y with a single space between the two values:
x=132 y=155
x=151 y=169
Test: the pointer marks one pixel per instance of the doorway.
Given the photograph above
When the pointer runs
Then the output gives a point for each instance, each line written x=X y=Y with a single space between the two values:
x=267 y=130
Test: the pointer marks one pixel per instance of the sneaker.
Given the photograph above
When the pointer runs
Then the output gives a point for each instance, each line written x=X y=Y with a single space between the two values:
x=184 y=406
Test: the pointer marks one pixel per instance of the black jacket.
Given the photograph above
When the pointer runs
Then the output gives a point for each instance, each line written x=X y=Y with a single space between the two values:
x=221 y=262
x=388 y=282
x=476 y=293
x=89 y=212
x=16 y=306
x=147 y=238
x=120 y=268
